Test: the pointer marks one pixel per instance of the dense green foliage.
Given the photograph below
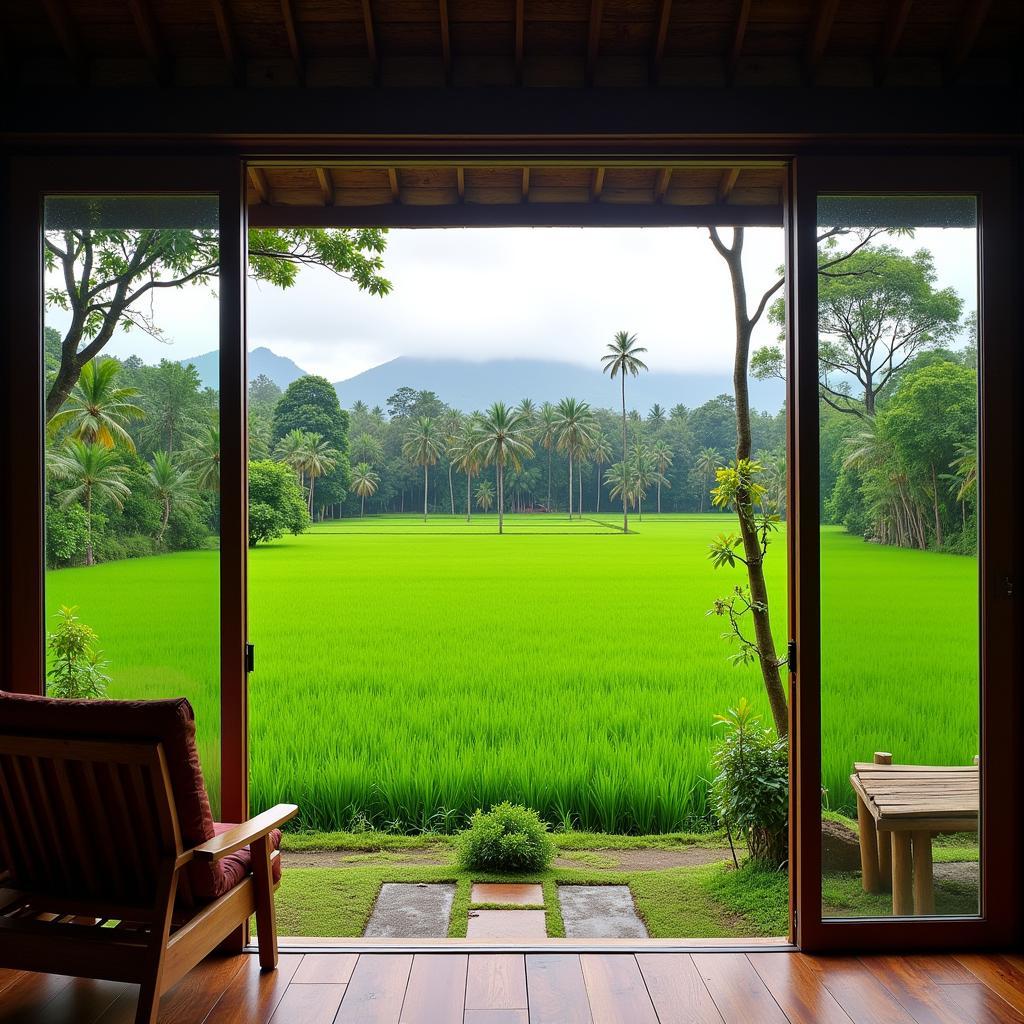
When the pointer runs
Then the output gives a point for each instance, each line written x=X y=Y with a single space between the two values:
x=508 y=837
x=76 y=667
x=276 y=505
x=408 y=674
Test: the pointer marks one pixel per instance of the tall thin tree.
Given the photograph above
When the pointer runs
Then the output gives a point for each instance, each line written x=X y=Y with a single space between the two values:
x=622 y=358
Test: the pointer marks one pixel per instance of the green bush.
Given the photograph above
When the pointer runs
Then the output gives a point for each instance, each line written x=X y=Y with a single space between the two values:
x=508 y=837
x=76 y=668
x=750 y=790
x=65 y=534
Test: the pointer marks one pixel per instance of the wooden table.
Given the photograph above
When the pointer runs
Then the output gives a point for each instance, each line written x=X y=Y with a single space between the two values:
x=900 y=807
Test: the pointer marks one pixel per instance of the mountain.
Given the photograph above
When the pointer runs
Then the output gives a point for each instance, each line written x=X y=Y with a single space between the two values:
x=470 y=385
x=281 y=370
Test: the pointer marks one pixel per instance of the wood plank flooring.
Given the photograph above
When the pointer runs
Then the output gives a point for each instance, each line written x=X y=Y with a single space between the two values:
x=466 y=987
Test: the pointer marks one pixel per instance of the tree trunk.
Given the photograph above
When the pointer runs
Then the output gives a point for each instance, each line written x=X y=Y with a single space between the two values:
x=597 y=502
x=163 y=521
x=767 y=655
x=570 y=484
x=549 y=478
x=501 y=499
x=659 y=497
x=625 y=470
x=312 y=484
x=579 y=487
x=426 y=490
x=469 y=507
x=451 y=490
x=935 y=503
x=88 y=526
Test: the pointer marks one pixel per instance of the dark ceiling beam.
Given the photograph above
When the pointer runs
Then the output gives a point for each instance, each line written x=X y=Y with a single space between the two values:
x=596 y=184
x=396 y=192
x=294 y=46
x=371 y=41
x=660 y=37
x=226 y=32
x=593 y=37
x=526 y=184
x=661 y=183
x=460 y=183
x=446 y=40
x=326 y=183
x=739 y=34
x=520 y=214
x=891 y=36
x=727 y=183
x=817 y=41
x=519 y=41
x=149 y=36
x=967 y=32
x=258 y=177
x=67 y=36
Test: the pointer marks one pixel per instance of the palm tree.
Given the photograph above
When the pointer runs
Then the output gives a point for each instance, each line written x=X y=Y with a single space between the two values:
x=601 y=453
x=92 y=470
x=547 y=434
x=623 y=357
x=644 y=473
x=467 y=458
x=290 y=450
x=504 y=440
x=707 y=461
x=318 y=459
x=367 y=448
x=575 y=430
x=171 y=486
x=485 y=495
x=662 y=459
x=204 y=460
x=965 y=470
x=528 y=409
x=451 y=428
x=656 y=417
x=97 y=409
x=422 y=447
x=619 y=478
x=364 y=483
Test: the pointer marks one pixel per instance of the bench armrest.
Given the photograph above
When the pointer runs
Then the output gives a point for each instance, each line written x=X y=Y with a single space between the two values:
x=242 y=835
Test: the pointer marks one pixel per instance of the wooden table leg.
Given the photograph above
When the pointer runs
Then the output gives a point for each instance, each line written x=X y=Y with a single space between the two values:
x=924 y=892
x=869 y=839
x=902 y=875
x=884 y=843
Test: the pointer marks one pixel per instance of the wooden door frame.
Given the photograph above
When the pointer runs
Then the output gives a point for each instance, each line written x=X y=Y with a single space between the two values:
x=31 y=179
x=992 y=181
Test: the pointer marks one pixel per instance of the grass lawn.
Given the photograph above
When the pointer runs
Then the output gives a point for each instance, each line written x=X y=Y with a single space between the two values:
x=407 y=673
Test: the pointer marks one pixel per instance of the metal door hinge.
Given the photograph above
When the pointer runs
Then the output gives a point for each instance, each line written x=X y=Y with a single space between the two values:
x=791 y=655
x=250 y=657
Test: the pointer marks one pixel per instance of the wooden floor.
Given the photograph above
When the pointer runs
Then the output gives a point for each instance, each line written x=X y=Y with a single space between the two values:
x=550 y=988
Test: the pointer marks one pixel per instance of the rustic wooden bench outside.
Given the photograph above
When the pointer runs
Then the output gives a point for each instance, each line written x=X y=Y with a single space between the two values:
x=900 y=808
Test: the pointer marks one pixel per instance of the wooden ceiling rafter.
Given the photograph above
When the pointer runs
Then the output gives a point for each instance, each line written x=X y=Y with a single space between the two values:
x=817 y=41
x=371 y=41
x=526 y=184
x=891 y=36
x=228 y=43
x=294 y=45
x=727 y=183
x=446 y=40
x=660 y=39
x=396 y=192
x=149 y=36
x=596 y=184
x=661 y=183
x=593 y=38
x=739 y=35
x=519 y=38
x=258 y=177
x=460 y=183
x=966 y=35
x=326 y=183
x=67 y=35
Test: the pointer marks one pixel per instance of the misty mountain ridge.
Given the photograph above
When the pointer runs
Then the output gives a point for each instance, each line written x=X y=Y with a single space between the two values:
x=467 y=385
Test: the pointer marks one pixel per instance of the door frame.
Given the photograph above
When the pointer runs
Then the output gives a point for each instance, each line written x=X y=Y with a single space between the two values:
x=992 y=181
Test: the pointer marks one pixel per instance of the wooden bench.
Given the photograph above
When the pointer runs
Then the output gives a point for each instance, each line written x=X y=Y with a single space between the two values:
x=900 y=808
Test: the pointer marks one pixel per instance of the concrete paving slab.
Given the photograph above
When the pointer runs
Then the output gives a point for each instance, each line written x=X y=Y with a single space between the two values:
x=412 y=911
x=506 y=924
x=511 y=893
x=600 y=912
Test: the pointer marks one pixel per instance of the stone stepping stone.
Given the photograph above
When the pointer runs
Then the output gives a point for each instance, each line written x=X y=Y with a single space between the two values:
x=600 y=912
x=513 y=894
x=412 y=911
x=506 y=924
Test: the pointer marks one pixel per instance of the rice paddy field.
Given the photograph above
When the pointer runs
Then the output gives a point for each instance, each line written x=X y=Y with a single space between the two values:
x=407 y=673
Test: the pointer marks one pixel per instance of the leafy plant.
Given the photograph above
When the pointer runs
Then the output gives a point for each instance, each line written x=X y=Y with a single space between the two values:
x=750 y=788
x=78 y=667
x=509 y=837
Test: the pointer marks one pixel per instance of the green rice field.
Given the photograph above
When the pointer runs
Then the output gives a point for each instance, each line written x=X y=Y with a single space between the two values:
x=407 y=673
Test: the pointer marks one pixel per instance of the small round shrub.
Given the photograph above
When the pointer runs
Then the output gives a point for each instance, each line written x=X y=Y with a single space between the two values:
x=508 y=837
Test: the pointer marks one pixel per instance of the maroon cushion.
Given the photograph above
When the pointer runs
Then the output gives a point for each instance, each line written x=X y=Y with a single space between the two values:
x=170 y=722
x=236 y=866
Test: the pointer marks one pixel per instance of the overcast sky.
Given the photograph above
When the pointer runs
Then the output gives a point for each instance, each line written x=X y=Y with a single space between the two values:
x=547 y=293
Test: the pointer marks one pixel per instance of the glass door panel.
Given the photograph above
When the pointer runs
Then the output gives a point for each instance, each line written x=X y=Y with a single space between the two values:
x=132 y=452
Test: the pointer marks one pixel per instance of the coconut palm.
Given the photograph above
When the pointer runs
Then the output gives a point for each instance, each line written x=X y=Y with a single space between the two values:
x=485 y=495
x=547 y=435
x=601 y=453
x=656 y=417
x=291 y=451
x=204 y=460
x=707 y=461
x=622 y=358
x=528 y=409
x=467 y=459
x=92 y=472
x=451 y=431
x=422 y=447
x=644 y=473
x=619 y=478
x=97 y=409
x=965 y=470
x=662 y=459
x=364 y=483
x=575 y=430
x=318 y=459
x=367 y=448
x=171 y=485
x=504 y=440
